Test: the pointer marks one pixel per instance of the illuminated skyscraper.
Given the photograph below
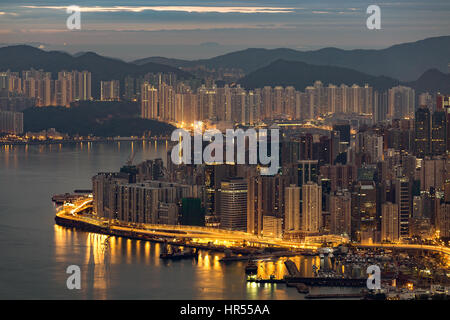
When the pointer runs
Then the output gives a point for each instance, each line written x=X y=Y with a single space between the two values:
x=292 y=208
x=149 y=101
x=422 y=132
x=312 y=207
x=438 y=133
x=82 y=88
x=403 y=200
x=390 y=220
x=340 y=213
x=401 y=101
x=109 y=90
x=233 y=199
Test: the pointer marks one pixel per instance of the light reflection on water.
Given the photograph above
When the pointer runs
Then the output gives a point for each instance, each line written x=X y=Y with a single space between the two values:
x=206 y=277
x=36 y=252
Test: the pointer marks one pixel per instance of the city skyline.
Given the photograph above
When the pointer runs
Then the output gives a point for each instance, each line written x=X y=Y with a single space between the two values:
x=259 y=174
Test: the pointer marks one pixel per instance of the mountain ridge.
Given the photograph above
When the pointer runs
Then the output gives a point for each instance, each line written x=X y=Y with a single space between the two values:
x=300 y=75
x=405 y=61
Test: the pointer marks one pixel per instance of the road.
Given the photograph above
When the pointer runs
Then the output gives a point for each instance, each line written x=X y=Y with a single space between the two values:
x=216 y=236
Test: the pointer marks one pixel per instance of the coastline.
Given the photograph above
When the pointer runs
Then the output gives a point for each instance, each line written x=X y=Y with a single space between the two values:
x=73 y=141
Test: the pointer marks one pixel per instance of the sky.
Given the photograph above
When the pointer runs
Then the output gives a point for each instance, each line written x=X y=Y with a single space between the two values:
x=200 y=29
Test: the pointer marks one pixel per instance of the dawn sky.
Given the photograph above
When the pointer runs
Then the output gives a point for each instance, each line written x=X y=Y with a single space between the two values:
x=200 y=29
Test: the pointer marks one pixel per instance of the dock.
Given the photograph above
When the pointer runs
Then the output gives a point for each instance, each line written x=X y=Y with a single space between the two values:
x=335 y=296
x=327 y=282
x=262 y=281
x=254 y=257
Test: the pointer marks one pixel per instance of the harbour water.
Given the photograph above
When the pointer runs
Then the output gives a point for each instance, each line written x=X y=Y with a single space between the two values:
x=35 y=252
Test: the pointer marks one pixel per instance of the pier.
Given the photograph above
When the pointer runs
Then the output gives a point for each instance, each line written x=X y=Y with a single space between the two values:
x=335 y=296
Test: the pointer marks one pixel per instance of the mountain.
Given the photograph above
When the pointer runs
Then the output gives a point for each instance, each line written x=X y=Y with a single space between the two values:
x=300 y=75
x=406 y=61
x=176 y=63
x=23 y=57
x=431 y=81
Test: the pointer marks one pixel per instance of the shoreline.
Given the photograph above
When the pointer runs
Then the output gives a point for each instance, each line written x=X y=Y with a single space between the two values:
x=135 y=234
x=73 y=141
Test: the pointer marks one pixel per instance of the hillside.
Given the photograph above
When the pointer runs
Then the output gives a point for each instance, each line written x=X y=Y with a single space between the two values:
x=102 y=119
x=431 y=81
x=301 y=75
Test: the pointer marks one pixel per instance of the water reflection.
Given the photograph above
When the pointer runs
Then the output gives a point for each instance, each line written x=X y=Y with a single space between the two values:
x=107 y=261
x=114 y=268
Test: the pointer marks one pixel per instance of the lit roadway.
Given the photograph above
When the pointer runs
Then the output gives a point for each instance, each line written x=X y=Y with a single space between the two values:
x=196 y=234
x=205 y=235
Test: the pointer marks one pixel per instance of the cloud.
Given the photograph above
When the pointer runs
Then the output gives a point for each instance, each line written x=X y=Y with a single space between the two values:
x=3 y=13
x=187 y=9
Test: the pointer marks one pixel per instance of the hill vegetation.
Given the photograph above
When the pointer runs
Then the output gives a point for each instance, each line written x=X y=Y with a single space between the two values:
x=102 y=119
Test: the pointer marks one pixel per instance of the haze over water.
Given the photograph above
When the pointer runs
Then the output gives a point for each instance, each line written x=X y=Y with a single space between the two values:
x=35 y=252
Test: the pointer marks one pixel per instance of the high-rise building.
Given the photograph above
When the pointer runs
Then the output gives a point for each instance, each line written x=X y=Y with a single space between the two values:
x=11 y=122
x=311 y=207
x=390 y=222
x=365 y=222
x=104 y=190
x=401 y=102
x=149 y=101
x=340 y=176
x=442 y=102
x=432 y=174
x=344 y=134
x=370 y=144
x=110 y=90
x=403 y=200
x=233 y=199
x=422 y=132
x=129 y=93
x=380 y=106
x=292 y=220
x=340 y=213
x=265 y=198
x=255 y=205
x=272 y=227
x=82 y=90
x=443 y=220
x=307 y=170
x=439 y=133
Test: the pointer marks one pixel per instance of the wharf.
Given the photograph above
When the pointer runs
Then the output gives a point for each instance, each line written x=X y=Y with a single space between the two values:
x=327 y=282
x=314 y=281
x=334 y=296
x=255 y=257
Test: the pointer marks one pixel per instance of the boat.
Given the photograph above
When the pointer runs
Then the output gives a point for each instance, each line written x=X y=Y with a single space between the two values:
x=66 y=197
x=178 y=254
x=251 y=267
